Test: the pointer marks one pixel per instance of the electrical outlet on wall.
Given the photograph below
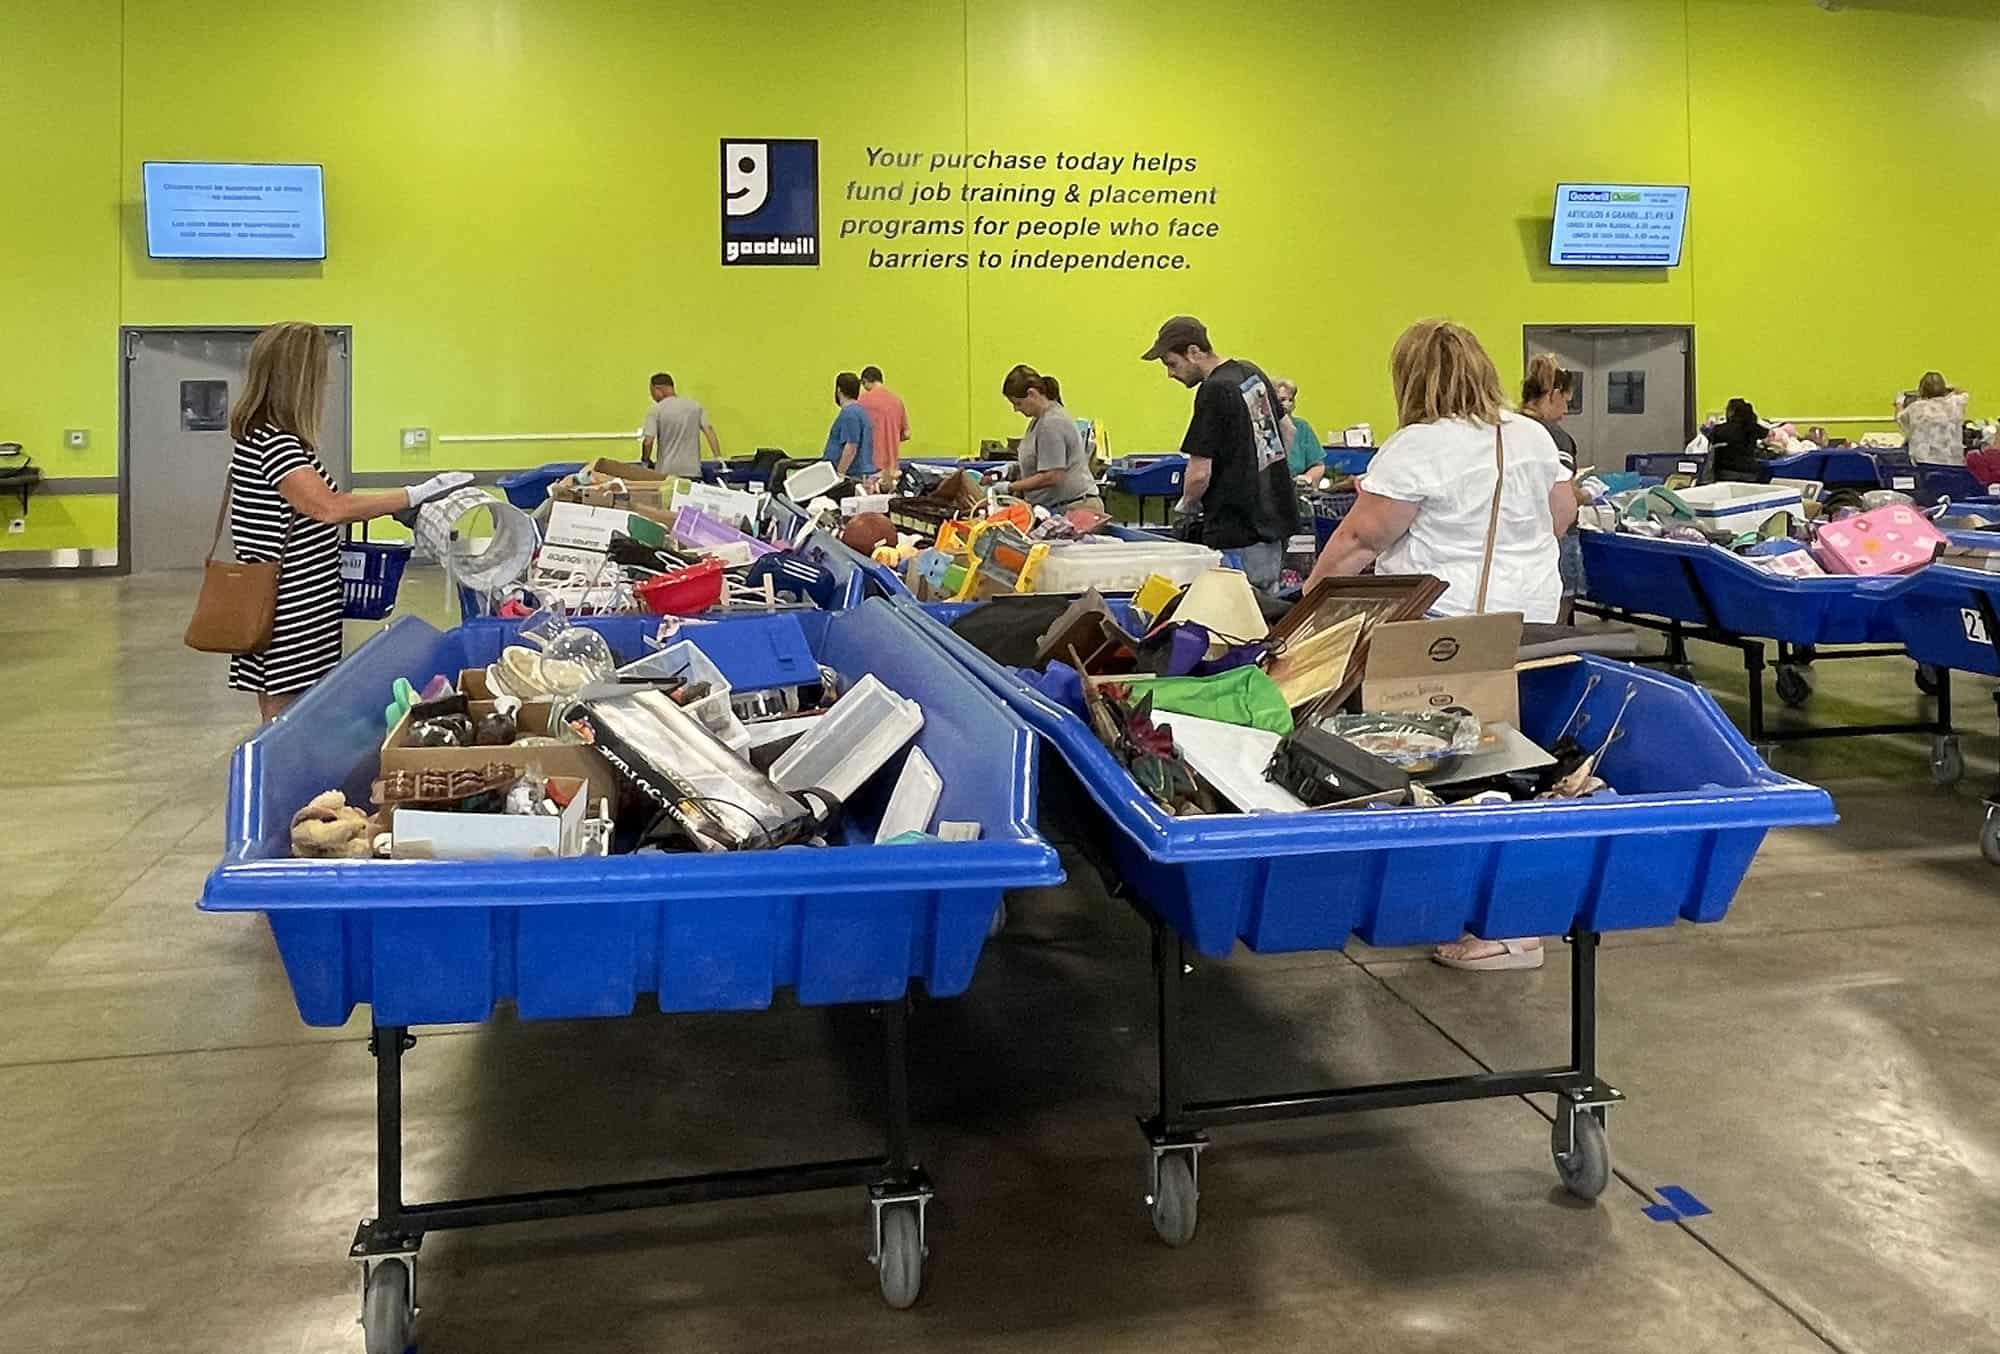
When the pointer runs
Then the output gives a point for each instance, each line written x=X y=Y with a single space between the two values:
x=76 y=439
x=416 y=439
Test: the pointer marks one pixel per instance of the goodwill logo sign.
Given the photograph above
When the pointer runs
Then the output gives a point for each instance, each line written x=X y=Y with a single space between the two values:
x=770 y=203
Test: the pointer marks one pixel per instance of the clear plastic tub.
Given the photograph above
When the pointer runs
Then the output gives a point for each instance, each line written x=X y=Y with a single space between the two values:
x=851 y=742
x=1122 y=566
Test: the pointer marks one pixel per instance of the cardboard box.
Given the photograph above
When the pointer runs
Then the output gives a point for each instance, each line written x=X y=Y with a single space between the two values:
x=1461 y=662
x=579 y=526
x=570 y=760
x=427 y=834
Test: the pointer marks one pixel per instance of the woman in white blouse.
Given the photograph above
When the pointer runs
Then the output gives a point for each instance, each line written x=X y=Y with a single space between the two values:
x=1427 y=506
x=1934 y=421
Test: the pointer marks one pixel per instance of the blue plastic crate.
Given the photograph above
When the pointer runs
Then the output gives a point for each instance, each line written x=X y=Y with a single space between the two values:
x=1694 y=805
x=1349 y=460
x=1936 y=483
x=529 y=489
x=1836 y=468
x=428 y=942
x=370 y=575
x=1148 y=476
x=1703 y=585
x=1660 y=464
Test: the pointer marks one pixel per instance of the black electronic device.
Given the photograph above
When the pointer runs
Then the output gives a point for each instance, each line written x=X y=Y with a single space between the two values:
x=1323 y=770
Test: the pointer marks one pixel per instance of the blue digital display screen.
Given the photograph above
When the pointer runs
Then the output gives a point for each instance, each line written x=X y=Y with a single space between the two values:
x=233 y=211
x=1618 y=225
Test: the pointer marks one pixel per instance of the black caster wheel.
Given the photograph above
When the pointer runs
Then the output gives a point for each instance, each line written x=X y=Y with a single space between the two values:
x=1947 y=761
x=386 y=1314
x=900 y=1266
x=1582 y=1152
x=1927 y=679
x=1794 y=687
x=1989 y=837
x=1176 y=1202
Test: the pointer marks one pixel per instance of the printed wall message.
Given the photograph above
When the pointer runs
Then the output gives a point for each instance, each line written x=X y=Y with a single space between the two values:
x=1064 y=211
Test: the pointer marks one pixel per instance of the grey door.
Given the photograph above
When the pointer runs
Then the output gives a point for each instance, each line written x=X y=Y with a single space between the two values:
x=1632 y=388
x=179 y=386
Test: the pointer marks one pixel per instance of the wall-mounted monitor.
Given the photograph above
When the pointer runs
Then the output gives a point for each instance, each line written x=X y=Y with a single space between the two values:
x=199 y=210
x=1618 y=225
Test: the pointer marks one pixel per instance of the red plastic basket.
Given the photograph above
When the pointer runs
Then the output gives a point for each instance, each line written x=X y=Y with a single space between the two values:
x=683 y=592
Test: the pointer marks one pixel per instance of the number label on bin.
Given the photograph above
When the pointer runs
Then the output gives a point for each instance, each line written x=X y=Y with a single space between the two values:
x=1688 y=468
x=1975 y=627
x=353 y=566
x=1903 y=482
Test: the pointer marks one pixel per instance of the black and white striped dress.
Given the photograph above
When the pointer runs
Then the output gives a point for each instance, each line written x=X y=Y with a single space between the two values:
x=305 y=640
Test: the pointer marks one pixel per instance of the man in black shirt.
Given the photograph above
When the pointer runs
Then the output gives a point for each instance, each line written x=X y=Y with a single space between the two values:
x=1237 y=476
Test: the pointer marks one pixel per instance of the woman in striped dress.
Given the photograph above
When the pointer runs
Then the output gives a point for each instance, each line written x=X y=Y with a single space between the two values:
x=283 y=506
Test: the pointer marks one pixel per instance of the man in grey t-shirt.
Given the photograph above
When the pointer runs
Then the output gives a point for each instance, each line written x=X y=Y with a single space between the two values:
x=674 y=426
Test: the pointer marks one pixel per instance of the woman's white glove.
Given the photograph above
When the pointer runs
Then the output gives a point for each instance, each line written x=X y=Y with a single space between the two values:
x=437 y=486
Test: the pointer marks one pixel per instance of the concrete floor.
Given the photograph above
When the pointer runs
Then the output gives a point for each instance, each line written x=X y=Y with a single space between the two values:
x=184 y=1161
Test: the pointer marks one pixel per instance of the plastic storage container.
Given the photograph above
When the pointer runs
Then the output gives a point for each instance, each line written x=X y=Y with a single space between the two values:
x=1693 y=805
x=849 y=744
x=1738 y=507
x=529 y=489
x=1121 y=566
x=428 y=942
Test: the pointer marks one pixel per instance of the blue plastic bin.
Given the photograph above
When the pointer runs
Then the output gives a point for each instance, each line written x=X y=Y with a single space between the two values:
x=528 y=489
x=1147 y=476
x=428 y=942
x=1948 y=616
x=1694 y=805
x=1660 y=464
x=1837 y=468
x=1349 y=460
x=1706 y=586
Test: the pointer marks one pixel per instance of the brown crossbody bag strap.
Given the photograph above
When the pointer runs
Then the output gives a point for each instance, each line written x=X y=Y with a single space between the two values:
x=1493 y=517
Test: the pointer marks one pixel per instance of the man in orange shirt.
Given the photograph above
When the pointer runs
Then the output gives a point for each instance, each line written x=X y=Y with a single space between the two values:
x=890 y=420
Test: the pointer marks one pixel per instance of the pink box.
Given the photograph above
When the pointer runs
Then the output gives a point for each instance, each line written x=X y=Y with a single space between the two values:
x=1790 y=564
x=1894 y=540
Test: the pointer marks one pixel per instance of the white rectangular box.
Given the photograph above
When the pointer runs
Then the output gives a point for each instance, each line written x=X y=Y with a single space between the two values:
x=1732 y=508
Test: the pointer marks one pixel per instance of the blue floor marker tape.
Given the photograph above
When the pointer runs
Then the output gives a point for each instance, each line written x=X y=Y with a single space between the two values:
x=1684 y=1203
x=1661 y=1212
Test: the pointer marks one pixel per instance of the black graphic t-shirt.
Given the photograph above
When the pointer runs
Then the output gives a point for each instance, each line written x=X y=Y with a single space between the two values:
x=1236 y=425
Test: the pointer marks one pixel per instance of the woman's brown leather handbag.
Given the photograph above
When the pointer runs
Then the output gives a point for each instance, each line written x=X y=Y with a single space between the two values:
x=238 y=603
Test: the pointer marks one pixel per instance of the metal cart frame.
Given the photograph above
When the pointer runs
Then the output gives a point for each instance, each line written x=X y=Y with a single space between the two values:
x=386 y=1246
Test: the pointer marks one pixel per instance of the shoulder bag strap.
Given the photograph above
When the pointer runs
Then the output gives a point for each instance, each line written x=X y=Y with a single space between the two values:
x=222 y=513
x=1493 y=517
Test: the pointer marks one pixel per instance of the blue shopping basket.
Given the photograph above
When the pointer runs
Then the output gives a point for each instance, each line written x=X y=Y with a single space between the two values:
x=370 y=575
x=529 y=489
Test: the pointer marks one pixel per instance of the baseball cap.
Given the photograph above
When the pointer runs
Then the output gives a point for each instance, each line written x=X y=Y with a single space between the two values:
x=1175 y=335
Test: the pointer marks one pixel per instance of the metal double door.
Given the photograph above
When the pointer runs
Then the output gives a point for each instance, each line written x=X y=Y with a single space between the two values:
x=179 y=385
x=1632 y=389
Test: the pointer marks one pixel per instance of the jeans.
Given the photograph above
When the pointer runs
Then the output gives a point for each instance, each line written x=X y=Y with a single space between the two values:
x=1263 y=563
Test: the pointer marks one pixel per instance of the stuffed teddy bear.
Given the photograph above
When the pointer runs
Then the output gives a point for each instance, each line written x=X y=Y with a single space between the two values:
x=329 y=828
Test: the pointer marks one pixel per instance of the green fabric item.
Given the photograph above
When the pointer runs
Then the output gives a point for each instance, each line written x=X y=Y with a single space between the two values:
x=1306 y=451
x=1244 y=696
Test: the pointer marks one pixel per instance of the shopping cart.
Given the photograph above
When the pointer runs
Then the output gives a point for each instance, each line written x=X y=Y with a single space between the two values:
x=1687 y=591
x=1692 y=808
x=371 y=573
x=440 y=942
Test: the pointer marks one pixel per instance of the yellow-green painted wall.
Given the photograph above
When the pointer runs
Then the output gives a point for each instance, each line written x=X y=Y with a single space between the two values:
x=523 y=210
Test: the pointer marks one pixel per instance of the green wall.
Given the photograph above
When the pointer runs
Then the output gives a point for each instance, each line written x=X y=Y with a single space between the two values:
x=523 y=213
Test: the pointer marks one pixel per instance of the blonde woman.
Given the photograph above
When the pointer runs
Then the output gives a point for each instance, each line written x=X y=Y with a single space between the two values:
x=1426 y=506
x=1934 y=421
x=283 y=507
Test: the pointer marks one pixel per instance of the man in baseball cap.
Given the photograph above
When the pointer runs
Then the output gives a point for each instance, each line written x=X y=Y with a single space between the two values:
x=1238 y=478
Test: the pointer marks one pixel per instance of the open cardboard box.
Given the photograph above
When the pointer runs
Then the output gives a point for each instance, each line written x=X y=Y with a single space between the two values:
x=429 y=834
x=536 y=718
x=1457 y=662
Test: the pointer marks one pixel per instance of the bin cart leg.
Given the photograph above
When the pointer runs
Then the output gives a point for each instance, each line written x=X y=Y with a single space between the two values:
x=899 y=1201
x=1577 y=1142
x=1947 y=757
x=387 y=1244
x=1173 y=1178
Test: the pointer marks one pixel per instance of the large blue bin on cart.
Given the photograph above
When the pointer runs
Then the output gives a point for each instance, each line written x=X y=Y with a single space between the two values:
x=1948 y=617
x=1693 y=806
x=528 y=489
x=429 y=942
x=1705 y=586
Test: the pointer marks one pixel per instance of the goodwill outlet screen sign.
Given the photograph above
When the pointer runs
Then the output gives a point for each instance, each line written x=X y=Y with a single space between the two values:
x=1060 y=210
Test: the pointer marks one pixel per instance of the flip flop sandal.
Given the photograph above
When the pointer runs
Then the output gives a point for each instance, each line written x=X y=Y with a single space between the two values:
x=1475 y=956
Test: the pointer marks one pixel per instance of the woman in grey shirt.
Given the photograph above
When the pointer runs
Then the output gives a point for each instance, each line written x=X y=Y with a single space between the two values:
x=1054 y=464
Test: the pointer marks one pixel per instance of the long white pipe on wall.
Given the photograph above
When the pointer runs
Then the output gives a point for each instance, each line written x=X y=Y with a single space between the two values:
x=632 y=436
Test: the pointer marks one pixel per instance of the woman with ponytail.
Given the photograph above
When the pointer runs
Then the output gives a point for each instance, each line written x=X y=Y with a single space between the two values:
x=1054 y=463
x=1545 y=396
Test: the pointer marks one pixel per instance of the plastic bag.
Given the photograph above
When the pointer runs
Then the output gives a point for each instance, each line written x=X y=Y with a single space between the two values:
x=1244 y=696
